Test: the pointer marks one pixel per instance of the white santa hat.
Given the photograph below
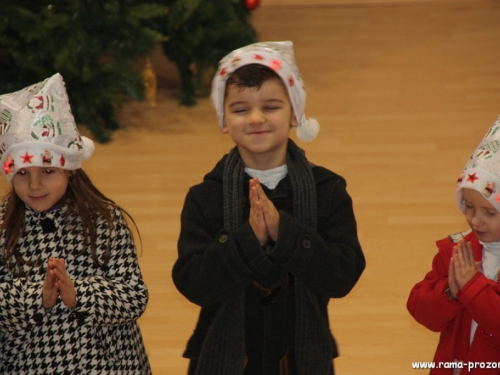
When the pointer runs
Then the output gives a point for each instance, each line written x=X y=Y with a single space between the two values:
x=38 y=129
x=482 y=171
x=278 y=56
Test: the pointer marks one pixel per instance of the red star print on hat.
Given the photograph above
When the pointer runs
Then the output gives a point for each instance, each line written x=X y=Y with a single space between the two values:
x=482 y=171
x=38 y=129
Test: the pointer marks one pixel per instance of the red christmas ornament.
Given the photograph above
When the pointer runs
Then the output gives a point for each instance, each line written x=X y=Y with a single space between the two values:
x=251 y=4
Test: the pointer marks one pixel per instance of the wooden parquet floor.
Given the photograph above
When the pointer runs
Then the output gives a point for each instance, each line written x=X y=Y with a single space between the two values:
x=403 y=94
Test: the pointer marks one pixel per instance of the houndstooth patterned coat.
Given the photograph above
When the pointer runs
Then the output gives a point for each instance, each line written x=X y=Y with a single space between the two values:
x=100 y=335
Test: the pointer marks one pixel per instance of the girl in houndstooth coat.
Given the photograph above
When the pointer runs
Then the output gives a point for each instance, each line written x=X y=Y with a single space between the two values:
x=71 y=289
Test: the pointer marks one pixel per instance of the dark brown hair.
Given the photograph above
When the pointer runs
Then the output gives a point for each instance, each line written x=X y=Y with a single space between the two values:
x=82 y=197
x=251 y=76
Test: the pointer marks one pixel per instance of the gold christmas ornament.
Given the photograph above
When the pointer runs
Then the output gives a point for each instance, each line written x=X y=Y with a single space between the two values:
x=150 y=82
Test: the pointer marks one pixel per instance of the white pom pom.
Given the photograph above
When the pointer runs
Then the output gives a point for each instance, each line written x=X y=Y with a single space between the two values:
x=88 y=148
x=308 y=130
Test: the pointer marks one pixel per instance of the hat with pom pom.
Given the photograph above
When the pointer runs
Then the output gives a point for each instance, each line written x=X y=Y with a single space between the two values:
x=278 y=56
x=37 y=129
x=482 y=171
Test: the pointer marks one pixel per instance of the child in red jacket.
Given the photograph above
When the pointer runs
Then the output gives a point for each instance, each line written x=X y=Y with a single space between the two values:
x=460 y=296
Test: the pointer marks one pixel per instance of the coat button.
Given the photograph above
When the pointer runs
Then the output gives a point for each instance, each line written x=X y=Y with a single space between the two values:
x=223 y=238
x=306 y=244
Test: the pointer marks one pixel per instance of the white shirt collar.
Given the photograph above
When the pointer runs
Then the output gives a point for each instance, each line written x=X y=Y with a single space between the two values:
x=491 y=259
x=270 y=177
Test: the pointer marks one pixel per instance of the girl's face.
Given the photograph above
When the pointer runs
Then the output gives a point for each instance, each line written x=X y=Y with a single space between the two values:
x=482 y=217
x=259 y=122
x=39 y=187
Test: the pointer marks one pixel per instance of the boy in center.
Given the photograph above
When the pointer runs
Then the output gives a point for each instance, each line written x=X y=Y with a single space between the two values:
x=267 y=239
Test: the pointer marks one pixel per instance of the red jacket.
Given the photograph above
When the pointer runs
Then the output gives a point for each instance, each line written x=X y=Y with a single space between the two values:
x=479 y=299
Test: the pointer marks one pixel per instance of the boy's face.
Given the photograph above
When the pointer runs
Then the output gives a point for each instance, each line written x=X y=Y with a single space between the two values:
x=481 y=216
x=259 y=122
x=39 y=187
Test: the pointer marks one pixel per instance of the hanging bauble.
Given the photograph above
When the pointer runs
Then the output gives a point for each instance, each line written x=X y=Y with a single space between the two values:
x=251 y=4
x=150 y=82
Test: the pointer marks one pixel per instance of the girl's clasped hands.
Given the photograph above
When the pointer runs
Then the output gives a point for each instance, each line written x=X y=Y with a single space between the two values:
x=463 y=267
x=58 y=283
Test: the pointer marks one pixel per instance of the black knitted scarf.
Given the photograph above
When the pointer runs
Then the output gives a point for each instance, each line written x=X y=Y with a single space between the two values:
x=223 y=350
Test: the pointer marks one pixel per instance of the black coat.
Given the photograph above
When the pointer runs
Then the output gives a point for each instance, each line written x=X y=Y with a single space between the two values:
x=215 y=264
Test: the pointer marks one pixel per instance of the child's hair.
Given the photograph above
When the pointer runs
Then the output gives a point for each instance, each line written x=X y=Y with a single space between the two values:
x=82 y=197
x=251 y=76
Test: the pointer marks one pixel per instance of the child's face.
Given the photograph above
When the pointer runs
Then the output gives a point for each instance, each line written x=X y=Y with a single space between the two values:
x=482 y=217
x=259 y=122
x=39 y=187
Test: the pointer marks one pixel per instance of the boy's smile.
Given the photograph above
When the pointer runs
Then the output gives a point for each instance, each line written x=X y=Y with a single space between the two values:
x=259 y=122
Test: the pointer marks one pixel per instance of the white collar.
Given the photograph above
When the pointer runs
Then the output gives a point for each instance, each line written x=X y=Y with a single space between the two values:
x=492 y=247
x=270 y=177
x=491 y=259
